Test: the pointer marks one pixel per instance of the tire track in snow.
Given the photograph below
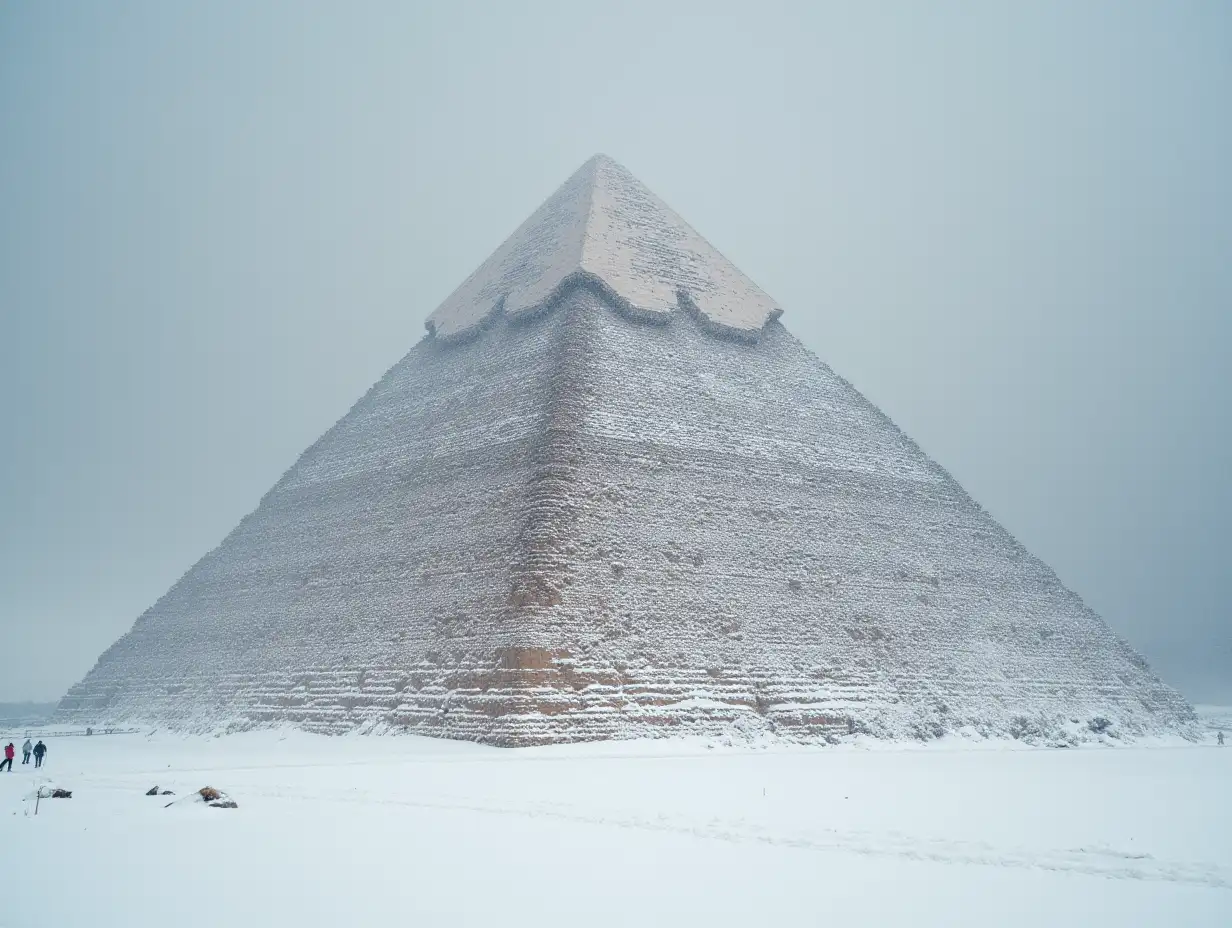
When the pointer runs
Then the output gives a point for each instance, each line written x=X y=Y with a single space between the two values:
x=1100 y=862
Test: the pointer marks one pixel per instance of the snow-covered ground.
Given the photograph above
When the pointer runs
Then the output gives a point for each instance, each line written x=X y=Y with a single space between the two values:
x=1216 y=718
x=381 y=831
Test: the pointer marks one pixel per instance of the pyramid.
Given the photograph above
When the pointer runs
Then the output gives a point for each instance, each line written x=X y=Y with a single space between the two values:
x=609 y=495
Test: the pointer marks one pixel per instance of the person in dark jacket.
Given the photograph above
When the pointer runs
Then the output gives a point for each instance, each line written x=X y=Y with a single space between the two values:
x=9 y=751
x=39 y=750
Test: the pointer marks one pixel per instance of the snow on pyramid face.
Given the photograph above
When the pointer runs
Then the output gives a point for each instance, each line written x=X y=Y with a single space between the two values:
x=575 y=512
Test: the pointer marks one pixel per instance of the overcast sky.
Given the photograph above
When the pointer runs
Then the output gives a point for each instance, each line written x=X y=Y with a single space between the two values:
x=1009 y=225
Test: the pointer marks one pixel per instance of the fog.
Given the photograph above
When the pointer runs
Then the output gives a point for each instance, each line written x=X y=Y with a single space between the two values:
x=1009 y=226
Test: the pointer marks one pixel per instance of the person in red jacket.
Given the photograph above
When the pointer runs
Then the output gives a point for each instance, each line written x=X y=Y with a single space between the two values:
x=9 y=751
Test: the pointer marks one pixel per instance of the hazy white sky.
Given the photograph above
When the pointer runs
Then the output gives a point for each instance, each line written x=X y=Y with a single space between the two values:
x=1009 y=225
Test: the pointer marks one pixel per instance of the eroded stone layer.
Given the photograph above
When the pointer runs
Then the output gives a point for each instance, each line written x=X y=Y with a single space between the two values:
x=581 y=526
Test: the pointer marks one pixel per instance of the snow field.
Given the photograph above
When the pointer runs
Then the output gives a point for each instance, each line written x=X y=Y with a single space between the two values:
x=366 y=830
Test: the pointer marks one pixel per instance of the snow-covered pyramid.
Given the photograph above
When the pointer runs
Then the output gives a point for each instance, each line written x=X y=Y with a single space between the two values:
x=609 y=495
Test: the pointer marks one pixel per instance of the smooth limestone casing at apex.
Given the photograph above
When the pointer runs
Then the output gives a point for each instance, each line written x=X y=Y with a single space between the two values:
x=610 y=496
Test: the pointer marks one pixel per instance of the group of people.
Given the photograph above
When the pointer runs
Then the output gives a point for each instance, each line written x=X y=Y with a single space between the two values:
x=26 y=750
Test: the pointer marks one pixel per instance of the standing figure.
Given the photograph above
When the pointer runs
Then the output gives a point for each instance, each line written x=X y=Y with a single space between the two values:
x=1221 y=739
x=9 y=751
x=39 y=750
x=25 y=752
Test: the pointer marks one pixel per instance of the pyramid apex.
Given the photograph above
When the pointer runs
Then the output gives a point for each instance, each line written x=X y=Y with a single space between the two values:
x=604 y=228
x=601 y=158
